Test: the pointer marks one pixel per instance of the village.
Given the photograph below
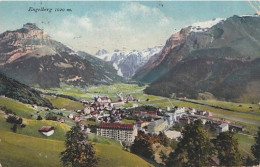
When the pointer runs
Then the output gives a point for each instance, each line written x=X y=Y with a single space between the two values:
x=113 y=120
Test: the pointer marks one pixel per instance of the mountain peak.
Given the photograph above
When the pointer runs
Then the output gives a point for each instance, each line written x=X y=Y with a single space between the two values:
x=31 y=26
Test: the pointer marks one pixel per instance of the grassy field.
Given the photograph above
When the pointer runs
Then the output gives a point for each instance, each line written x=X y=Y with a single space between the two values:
x=68 y=104
x=22 y=110
x=242 y=107
x=128 y=121
x=32 y=127
x=103 y=140
x=20 y=150
x=245 y=143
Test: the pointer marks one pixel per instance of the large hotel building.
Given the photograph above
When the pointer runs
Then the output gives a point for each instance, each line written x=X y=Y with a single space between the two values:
x=118 y=131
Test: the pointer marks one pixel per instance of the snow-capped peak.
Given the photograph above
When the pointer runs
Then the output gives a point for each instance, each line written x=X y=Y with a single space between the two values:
x=127 y=62
x=204 y=26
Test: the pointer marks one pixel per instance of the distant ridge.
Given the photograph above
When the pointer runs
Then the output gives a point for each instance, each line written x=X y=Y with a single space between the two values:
x=32 y=57
x=221 y=56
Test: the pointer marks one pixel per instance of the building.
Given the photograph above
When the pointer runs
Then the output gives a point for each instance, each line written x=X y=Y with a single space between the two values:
x=118 y=131
x=103 y=99
x=145 y=114
x=178 y=113
x=141 y=124
x=157 y=126
x=114 y=103
x=47 y=130
x=222 y=128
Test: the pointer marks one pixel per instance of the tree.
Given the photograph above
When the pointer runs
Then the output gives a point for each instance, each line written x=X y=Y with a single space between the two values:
x=163 y=157
x=79 y=152
x=194 y=148
x=11 y=119
x=256 y=147
x=14 y=128
x=39 y=117
x=51 y=116
x=19 y=121
x=227 y=148
x=163 y=139
x=142 y=145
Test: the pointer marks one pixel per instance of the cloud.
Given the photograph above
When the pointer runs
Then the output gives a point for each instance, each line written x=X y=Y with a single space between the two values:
x=133 y=26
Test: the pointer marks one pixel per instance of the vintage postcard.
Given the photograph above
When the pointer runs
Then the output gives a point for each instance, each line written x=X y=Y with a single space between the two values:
x=129 y=83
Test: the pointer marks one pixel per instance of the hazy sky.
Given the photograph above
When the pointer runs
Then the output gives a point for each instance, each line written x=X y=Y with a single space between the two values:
x=116 y=25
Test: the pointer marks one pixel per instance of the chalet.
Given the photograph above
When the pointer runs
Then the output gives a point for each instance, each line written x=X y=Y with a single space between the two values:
x=208 y=114
x=222 y=128
x=129 y=98
x=71 y=116
x=76 y=118
x=61 y=120
x=117 y=131
x=35 y=106
x=47 y=130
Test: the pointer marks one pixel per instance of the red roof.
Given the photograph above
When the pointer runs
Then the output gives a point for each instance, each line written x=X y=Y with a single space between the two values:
x=46 y=128
x=117 y=126
x=104 y=98
x=119 y=101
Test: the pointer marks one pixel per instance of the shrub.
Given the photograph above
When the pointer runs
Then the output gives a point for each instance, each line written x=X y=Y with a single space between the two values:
x=14 y=128
x=39 y=117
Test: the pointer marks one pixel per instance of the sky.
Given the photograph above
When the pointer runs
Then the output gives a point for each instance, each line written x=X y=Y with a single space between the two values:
x=91 y=26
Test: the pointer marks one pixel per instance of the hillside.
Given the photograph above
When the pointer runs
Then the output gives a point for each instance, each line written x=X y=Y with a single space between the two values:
x=221 y=58
x=32 y=57
x=45 y=152
x=15 y=90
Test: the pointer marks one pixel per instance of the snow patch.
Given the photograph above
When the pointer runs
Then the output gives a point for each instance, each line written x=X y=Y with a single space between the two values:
x=204 y=26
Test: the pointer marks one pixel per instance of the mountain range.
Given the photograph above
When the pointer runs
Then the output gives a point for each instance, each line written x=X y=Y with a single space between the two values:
x=220 y=57
x=127 y=63
x=32 y=57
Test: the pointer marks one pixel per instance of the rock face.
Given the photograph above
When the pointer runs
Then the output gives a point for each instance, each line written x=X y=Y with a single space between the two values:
x=127 y=63
x=32 y=57
x=221 y=56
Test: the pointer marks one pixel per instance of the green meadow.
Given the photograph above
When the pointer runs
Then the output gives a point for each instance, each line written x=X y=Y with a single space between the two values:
x=61 y=102
x=32 y=127
x=245 y=143
x=20 y=150
x=22 y=110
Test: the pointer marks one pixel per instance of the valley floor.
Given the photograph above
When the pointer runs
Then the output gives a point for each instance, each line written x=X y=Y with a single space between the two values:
x=27 y=147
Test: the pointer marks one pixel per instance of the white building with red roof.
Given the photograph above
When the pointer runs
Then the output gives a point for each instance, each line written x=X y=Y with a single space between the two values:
x=104 y=99
x=47 y=130
x=118 y=131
